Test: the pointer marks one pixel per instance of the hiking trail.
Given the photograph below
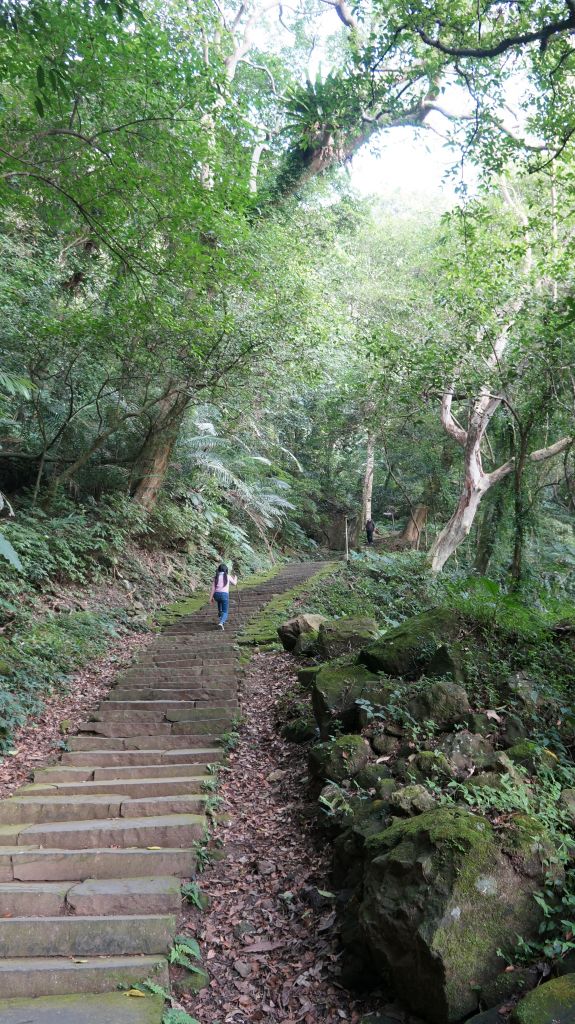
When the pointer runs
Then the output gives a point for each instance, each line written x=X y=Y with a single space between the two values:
x=94 y=850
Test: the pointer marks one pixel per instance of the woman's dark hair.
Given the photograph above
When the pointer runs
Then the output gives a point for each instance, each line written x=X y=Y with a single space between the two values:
x=221 y=568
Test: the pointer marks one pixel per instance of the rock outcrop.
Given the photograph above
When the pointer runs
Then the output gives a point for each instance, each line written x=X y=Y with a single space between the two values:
x=439 y=899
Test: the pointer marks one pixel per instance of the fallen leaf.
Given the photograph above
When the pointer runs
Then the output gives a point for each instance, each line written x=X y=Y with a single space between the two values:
x=493 y=715
x=135 y=992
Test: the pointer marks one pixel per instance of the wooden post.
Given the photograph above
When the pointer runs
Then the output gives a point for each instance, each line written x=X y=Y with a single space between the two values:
x=346 y=541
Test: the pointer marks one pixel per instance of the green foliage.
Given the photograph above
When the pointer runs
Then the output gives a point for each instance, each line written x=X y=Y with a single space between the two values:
x=191 y=892
x=178 y=1016
x=182 y=949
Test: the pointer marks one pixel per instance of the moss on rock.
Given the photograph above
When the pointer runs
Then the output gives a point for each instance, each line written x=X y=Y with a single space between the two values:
x=342 y=636
x=429 y=643
x=335 y=691
x=551 y=1003
x=339 y=759
x=299 y=730
x=439 y=899
x=444 y=702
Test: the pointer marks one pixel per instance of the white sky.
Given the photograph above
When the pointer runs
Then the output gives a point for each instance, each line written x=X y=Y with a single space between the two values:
x=414 y=162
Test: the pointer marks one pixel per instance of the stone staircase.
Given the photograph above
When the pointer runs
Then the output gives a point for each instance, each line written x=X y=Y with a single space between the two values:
x=93 y=852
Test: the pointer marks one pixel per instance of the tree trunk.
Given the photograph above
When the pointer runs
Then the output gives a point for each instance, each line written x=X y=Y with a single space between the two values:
x=367 y=482
x=411 y=536
x=153 y=460
x=458 y=527
x=520 y=514
x=488 y=530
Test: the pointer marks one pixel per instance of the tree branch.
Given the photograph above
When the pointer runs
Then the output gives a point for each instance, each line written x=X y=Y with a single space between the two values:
x=542 y=36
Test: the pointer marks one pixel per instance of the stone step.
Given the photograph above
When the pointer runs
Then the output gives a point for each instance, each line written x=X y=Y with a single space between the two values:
x=120 y=707
x=127 y=896
x=157 y=771
x=44 y=809
x=173 y=742
x=128 y=788
x=38 y=899
x=174 y=695
x=34 y=809
x=33 y=978
x=93 y=897
x=123 y=935
x=109 y=1008
x=183 y=664
x=204 y=709
x=125 y=729
x=67 y=774
x=111 y=758
x=171 y=830
x=214 y=727
x=201 y=713
x=28 y=864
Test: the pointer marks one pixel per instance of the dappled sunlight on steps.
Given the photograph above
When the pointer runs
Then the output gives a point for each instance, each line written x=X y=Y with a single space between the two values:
x=93 y=851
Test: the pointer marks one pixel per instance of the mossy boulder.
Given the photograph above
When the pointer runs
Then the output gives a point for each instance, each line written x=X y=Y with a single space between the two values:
x=514 y=730
x=411 y=800
x=523 y=689
x=529 y=755
x=551 y=1003
x=439 y=899
x=383 y=743
x=335 y=690
x=479 y=722
x=297 y=635
x=342 y=636
x=300 y=730
x=371 y=776
x=444 y=703
x=531 y=845
x=306 y=676
x=428 y=644
x=509 y=984
x=433 y=764
x=466 y=750
x=339 y=759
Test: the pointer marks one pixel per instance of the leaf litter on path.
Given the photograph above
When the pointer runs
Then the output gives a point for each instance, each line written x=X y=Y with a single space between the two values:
x=269 y=937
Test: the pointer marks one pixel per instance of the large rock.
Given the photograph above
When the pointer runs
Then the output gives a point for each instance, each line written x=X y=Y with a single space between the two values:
x=439 y=899
x=299 y=730
x=339 y=759
x=335 y=691
x=342 y=636
x=466 y=750
x=428 y=644
x=292 y=632
x=551 y=1003
x=444 y=703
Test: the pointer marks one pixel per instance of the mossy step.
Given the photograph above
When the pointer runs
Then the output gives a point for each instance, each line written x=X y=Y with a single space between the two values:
x=172 y=742
x=109 y=1008
x=148 y=756
x=66 y=774
x=200 y=713
x=170 y=830
x=174 y=693
x=32 y=977
x=123 y=728
x=174 y=786
x=145 y=934
x=48 y=864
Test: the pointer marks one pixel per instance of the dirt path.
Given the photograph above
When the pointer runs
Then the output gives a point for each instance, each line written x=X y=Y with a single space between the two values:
x=268 y=938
